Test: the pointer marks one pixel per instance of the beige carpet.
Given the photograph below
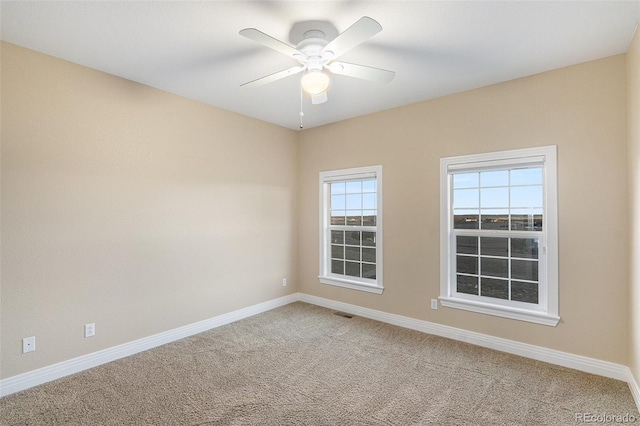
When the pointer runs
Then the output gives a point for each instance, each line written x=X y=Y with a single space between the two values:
x=303 y=365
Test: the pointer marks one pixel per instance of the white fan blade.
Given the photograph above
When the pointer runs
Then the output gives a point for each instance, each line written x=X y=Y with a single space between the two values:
x=360 y=71
x=362 y=30
x=320 y=98
x=267 y=40
x=273 y=77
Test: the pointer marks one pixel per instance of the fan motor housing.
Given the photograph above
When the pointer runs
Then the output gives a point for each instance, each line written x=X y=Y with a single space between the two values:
x=313 y=42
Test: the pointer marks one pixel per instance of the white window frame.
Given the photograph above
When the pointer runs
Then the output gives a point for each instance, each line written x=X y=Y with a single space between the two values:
x=546 y=311
x=325 y=276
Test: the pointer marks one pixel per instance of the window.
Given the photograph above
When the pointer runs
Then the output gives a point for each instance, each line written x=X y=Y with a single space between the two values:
x=351 y=228
x=499 y=244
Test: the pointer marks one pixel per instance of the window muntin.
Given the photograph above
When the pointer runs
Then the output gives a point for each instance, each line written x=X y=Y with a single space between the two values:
x=500 y=267
x=499 y=234
x=508 y=200
x=498 y=199
x=350 y=250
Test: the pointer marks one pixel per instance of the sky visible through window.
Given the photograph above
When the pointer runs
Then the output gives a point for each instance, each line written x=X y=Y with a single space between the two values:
x=353 y=202
x=499 y=199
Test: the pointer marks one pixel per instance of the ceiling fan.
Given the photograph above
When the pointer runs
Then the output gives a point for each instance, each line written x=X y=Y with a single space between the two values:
x=316 y=55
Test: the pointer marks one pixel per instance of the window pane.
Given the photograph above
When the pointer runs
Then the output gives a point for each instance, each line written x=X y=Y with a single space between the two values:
x=466 y=284
x=337 y=202
x=337 y=237
x=352 y=238
x=354 y=187
x=526 y=196
x=368 y=271
x=369 y=255
x=368 y=201
x=467 y=264
x=352 y=253
x=337 y=252
x=369 y=218
x=352 y=269
x=338 y=220
x=369 y=239
x=337 y=217
x=524 y=292
x=494 y=246
x=465 y=180
x=526 y=248
x=494 y=178
x=524 y=270
x=466 y=219
x=466 y=199
x=526 y=222
x=337 y=188
x=495 y=288
x=354 y=201
x=369 y=186
x=354 y=218
x=494 y=219
x=526 y=176
x=467 y=245
x=494 y=197
x=337 y=267
x=494 y=267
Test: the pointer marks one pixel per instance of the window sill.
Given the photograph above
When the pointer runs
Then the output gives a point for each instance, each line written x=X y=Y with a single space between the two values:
x=354 y=285
x=501 y=311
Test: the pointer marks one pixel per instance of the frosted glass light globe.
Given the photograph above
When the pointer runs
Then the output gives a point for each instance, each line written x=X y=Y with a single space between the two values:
x=315 y=82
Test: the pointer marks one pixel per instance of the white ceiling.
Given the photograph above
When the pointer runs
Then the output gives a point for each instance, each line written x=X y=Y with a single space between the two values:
x=193 y=49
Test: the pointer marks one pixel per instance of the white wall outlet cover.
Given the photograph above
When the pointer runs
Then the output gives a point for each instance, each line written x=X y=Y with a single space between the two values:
x=89 y=330
x=28 y=344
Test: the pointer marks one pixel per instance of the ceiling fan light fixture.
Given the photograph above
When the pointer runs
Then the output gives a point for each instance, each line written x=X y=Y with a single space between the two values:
x=315 y=82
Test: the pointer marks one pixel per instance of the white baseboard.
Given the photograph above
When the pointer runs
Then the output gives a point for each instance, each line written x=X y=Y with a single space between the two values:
x=635 y=389
x=577 y=362
x=75 y=365
x=81 y=363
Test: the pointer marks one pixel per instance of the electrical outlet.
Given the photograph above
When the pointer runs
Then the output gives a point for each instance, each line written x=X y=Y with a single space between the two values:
x=28 y=344
x=284 y=282
x=434 y=304
x=89 y=330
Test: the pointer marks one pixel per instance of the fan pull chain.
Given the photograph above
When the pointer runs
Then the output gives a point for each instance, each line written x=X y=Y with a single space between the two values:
x=301 y=113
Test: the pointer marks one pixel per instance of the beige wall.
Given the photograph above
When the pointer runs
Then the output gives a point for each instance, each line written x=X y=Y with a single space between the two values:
x=143 y=211
x=132 y=208
x=633 y=123
x=581 y=109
